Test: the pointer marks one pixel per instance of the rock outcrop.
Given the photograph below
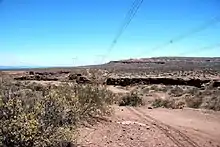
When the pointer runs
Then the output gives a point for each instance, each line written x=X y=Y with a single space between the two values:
x=216 y=84
x=165 y=81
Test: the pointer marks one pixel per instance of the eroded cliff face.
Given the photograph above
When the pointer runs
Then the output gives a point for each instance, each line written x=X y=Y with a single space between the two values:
x=165 y=81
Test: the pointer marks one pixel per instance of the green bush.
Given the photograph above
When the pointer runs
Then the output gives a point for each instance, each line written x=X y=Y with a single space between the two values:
x=45 y=119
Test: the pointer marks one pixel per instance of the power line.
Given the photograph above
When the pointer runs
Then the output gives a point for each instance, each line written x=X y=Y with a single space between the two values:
x=202 y=49
x=183 y=36
x=128 y=18
x=131 y=13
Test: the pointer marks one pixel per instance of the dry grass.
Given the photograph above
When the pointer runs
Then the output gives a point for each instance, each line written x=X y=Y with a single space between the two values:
x=177 y=97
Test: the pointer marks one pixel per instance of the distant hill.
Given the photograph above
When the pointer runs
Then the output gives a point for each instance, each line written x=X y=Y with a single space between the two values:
x=164 y=64
x=163 y=60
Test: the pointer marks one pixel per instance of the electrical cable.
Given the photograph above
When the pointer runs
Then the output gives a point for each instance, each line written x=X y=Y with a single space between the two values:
x=204 y=26
x=128 y=18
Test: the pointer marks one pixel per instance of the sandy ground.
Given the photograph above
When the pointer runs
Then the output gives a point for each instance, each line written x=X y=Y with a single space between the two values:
x=115 y=89
x=45 y=83
x=142 y=127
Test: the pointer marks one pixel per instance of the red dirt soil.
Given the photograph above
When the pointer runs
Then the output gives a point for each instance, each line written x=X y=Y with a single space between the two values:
x=142 y=127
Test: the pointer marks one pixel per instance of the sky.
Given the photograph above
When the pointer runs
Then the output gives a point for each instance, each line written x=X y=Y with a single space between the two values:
x=79 y=32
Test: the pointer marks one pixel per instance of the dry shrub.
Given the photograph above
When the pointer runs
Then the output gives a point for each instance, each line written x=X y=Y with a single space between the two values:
x=31 y=118
x=145 y=90
x=193 y=102
x=212 y=103
x=96 y=76
x=193 y=91
x=211 y=99
x=176 y=91
x=90 y=101
x=208 y=99
x=165 y=88
x=166 y=103
x=154 y=88
x=131 y=100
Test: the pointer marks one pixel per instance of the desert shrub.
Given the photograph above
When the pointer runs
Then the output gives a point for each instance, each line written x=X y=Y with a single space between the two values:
x=166 y=103
x=73 y=76
x=29 y=118
x=95 y=76
x=179 y=104
x=176 y=91
x=194 y=101
x=36 y=86
x=193 y=91
x=145 y=90
x=131 y=100
x=90 y=101
x=211 y=100
x=154 y=87
x=214 y=104
x=165 y=88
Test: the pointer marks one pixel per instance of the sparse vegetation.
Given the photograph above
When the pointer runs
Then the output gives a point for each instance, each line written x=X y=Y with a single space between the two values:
x=131 y=100
x=96 y=76
x=212 y=103
x=193 y=102
x=145 y=90
x=163 y=103
x=154 y=87
x=208 y=99
x=176 y=91
x=33 y=116
x=193 y=91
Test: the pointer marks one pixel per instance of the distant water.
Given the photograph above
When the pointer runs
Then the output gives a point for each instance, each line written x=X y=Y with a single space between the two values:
x=18 y=67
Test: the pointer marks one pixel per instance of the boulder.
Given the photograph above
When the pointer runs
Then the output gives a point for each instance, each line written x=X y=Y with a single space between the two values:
x=74 y=76
x=83 y=80
x=31 y=73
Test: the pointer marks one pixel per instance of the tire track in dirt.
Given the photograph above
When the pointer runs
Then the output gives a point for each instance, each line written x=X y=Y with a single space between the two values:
x=177 y=137
x=184 y=136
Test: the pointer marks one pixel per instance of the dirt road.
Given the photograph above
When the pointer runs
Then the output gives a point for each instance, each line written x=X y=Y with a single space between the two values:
x=142 y=127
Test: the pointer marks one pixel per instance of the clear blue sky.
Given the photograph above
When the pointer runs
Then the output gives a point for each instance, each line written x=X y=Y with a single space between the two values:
x=58 y=32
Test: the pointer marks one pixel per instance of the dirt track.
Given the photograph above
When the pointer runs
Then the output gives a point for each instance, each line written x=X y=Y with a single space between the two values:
x=143 y=127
